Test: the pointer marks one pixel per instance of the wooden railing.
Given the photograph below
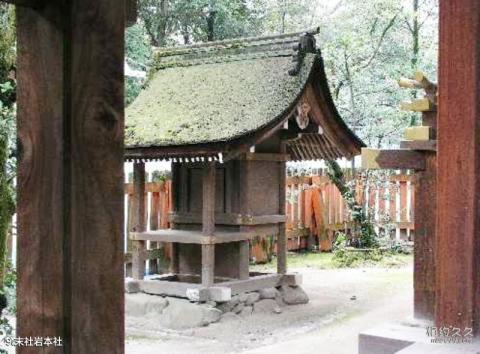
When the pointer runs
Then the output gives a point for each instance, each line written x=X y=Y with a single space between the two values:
x=158 y=202
x=315 y=212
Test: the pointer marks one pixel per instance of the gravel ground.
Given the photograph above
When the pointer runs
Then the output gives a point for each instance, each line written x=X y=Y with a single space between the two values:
x=343 y=302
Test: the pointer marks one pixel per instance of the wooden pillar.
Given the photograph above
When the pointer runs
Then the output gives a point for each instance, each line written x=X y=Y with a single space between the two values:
x=282 y=236
x=458 y=189
x=70 y=177
x=177 y=198
x=244 y=260
x=425 y=235
x=138 y=222
x=154 y=264
x=208 y=223
x=175 y=265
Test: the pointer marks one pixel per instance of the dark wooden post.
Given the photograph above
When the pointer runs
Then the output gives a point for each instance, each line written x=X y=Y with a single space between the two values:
x=208 y=223
x=425 y=235
x=70 y=177
x=138 y=222
x=282 y=236
x=458 y=189
x=244 y=256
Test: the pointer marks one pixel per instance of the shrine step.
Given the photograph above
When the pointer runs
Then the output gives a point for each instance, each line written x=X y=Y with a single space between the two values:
x=391 y=338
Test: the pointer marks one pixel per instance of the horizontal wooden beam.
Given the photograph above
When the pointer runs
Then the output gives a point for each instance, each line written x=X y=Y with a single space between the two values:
x=255 y=156
x=425 y=82
x=254 y=283
x=392 y=159
x=152 y=187
x=419 y=105
x=419 y=145
x=418 y=82
x=418 y=133
x=409 y=83
x=191 y=236
x=154 y=253
x=227 y=219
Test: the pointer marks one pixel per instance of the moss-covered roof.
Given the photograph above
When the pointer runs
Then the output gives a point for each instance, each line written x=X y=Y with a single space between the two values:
x=224 y=97
x=215 y=94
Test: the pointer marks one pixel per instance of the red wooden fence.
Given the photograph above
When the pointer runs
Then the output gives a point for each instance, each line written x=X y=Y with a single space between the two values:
x=315 y=208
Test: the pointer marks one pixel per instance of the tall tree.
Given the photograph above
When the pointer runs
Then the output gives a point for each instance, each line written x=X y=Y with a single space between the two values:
x=200 y=20
x=367 y=48
x=138 y=52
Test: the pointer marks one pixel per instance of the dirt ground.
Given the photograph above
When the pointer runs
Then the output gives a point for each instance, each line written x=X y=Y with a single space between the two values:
x=343 y=302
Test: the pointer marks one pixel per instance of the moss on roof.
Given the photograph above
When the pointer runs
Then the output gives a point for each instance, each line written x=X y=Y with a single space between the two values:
x=210 y=101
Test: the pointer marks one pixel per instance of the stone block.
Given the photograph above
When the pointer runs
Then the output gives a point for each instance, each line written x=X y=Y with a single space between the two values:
x=268 y=293
x=144 y=305
x=132 y=286
x=182 y=314
x=252 y=298
x=293 y=295
x=266 y=306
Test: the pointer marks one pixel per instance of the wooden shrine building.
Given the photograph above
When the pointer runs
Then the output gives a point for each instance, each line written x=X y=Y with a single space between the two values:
x=70 y=132
x=229 y=115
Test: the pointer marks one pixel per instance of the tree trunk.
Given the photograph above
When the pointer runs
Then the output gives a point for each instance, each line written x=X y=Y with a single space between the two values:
x=367 y=235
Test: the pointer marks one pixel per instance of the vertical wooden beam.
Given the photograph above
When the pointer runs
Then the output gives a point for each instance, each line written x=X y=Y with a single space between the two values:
x=184 y=188
x=154 y=264
x=175 y=264
x=458 y=189
x=208 y=223
x=208 y=265
x=425 y=206
x=138 y=222
x=70 y=177
x=208 y=207
x=282 y=235
x=244 y=260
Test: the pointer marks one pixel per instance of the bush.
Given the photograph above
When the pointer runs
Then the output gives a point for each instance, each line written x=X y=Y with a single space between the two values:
x=349 y=258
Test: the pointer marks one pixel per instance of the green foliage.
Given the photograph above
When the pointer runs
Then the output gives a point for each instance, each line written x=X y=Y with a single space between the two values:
x=7 y=162
x=9 y=288
x=368 y=46
x=343 y=257
x=161 y=176
x=323 y=260
x=138 y=54
x=286 y=16
x=7 y=197
x=168 y=21
x=7 y=41
x=7 y=128
x=340 y=240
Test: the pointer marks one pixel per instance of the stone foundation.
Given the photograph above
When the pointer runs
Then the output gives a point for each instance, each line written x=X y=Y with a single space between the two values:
x=177 y=313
